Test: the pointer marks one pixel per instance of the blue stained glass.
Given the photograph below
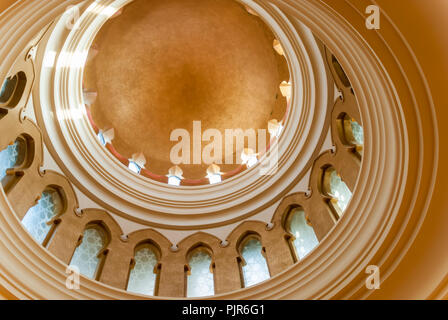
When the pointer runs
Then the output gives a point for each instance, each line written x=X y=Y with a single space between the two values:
x=339 y=190
x=86 y=254
x=358 y=132
x=37 y=218
x=7 y=89
x=9 y=157
x=3 y=89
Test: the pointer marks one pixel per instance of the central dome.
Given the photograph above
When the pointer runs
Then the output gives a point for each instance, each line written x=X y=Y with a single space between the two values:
x=163 y=64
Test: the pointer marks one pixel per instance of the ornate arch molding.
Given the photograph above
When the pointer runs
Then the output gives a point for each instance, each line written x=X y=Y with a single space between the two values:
x=390 y=200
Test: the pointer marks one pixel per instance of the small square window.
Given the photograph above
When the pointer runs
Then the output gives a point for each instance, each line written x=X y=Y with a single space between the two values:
x=214 y=178
x=133 y=166
x=174 y=181
x=101 y=138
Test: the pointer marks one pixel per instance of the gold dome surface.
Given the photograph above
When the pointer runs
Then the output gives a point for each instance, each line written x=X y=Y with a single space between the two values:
x=163 y=64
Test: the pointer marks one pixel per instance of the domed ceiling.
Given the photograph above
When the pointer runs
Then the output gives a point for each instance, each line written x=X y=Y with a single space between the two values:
x=163 y=64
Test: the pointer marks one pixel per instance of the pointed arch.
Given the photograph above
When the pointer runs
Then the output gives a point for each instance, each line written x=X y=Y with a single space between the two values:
x=302 y=238
x=144 y=269
x=91 y=252
x=252 y=260
x=199 y=271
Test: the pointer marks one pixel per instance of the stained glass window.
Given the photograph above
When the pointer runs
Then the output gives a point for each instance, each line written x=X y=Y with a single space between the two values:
x=200 y=281
x=86 y=256
x=11 y=157
x=357 y=131
x=142 y=278
x=214 y=178
x=339 y=190
x=7 y=89
x=37 y=218
x=255 y=269
x=305 y=238
x=353 y=131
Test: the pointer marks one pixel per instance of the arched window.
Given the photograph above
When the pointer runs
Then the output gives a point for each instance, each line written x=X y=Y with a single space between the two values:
x=143 y=277
x=8 y=88
x=303 y=238
x=337 y=190
x=12 y=90
x=13 y=156
x=90 y=254
x=40 y=221
x=253 y=264
x=200 y=280
x=351 y=132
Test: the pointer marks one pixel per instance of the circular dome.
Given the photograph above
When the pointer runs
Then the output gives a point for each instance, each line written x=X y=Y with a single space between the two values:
x=216 y=64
